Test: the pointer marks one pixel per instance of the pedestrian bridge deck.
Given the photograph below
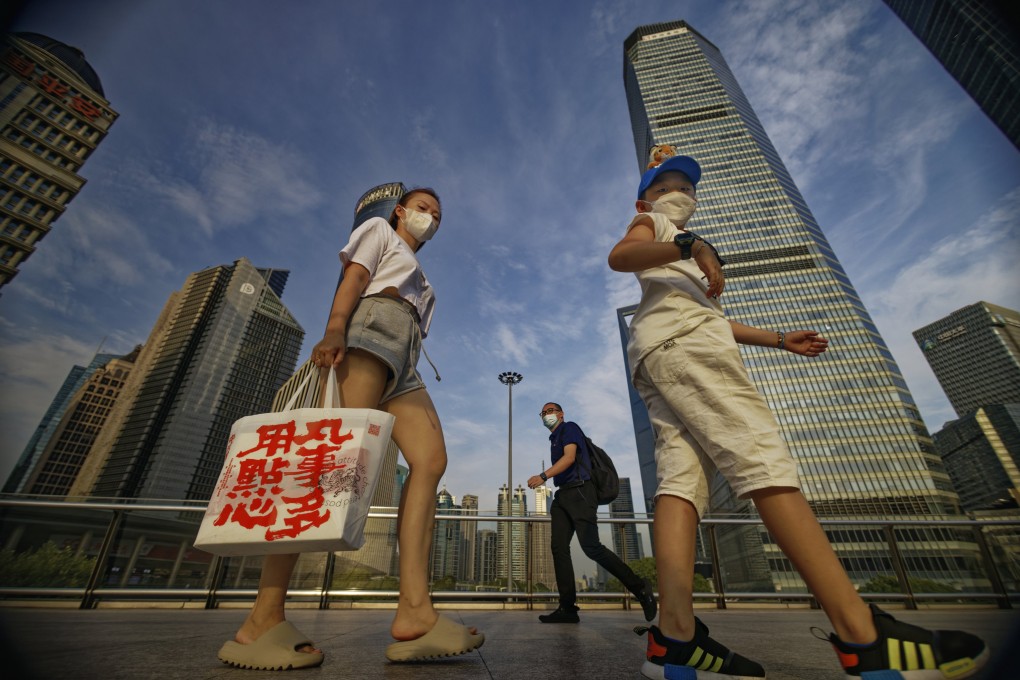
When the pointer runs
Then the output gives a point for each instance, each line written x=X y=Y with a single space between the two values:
x=130 y=643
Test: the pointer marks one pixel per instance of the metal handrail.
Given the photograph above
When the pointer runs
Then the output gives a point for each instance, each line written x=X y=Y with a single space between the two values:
x=212 y=592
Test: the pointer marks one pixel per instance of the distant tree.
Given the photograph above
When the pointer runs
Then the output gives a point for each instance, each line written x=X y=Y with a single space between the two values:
x=645 y=568
x=445 y=583
x=46 y=567
x=887 y=583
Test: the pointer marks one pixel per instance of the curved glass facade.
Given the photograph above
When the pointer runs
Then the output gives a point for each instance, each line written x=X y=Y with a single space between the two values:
x=378 y=202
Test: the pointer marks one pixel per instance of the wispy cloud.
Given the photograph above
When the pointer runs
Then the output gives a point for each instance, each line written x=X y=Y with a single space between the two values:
x=239 y=177
x=33 y=364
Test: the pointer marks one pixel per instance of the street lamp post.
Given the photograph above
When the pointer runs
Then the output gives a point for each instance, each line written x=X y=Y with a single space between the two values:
x=510 y=378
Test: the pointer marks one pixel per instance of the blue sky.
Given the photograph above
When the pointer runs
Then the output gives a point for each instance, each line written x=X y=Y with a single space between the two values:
x=250 y=130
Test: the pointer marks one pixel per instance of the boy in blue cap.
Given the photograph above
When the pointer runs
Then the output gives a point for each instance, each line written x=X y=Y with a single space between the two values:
x=708 y=416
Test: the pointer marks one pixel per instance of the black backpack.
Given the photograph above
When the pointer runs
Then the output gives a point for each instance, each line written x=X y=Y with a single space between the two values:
x=602 y=473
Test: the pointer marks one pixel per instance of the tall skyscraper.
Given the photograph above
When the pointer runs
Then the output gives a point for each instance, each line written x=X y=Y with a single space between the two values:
x=975 y=355
x=977 y=42
x=228 y=344
x=71 y=443
x=542 y=568
x=626 y=540
x=446 y=539
x=47 y=427
x=982 y=454
x=485 y=558
x=469 y=538
x=512 y=537
x=378 y=202
x=53 y=115
x=848 y=417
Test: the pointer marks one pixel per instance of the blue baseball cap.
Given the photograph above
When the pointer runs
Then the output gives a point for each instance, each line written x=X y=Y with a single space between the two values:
x=684 y=164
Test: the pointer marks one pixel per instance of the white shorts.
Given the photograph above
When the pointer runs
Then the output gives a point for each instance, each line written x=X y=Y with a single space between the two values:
x=707 y=415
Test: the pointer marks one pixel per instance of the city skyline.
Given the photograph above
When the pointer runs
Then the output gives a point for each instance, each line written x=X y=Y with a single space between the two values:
x=202 y=168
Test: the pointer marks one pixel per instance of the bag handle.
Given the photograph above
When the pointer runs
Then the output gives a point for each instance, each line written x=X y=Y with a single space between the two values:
x=331 y=398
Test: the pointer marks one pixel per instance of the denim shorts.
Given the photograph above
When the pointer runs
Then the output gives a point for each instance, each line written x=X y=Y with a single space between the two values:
x=708 y=416
x=387 y=329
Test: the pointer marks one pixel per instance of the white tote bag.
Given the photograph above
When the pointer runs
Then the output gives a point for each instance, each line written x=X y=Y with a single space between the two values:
x=299 y=480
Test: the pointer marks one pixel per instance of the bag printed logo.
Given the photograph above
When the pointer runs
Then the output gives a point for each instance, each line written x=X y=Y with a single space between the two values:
x=350 y=478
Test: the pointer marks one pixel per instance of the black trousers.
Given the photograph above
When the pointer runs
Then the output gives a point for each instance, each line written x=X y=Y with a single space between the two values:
x=574 y=511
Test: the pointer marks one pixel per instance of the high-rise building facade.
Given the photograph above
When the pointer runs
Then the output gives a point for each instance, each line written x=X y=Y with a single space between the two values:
x=71 y=443
x=848 y=416
x=542 y=569
x=53 y=115
x=512 y=536
x=227 y=346
x=469 y=538
x=47 y=427
x=626 y=540
x=378 y=202
x=446 y=539
x=975 y=355
x=981 y=451
x=977 y=42
x=485 y=558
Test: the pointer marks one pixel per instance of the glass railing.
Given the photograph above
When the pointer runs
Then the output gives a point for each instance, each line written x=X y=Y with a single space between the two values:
x=98 y=551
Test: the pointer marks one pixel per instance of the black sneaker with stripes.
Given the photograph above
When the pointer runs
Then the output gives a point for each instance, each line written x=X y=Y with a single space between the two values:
x=700 y=659
x=907 y=652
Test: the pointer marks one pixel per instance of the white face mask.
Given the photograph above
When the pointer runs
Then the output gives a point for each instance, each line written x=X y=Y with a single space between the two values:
x=676 y=206
x=419 y=225
x=550 y=420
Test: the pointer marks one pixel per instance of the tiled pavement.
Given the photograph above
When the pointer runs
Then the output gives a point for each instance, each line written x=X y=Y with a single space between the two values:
x=134 y=643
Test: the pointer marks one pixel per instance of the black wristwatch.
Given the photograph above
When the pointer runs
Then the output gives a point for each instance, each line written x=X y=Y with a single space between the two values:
x=684 y=241
x=542 y=475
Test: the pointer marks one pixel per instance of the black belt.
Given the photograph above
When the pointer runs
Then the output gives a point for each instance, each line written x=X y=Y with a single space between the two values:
x=572 y=485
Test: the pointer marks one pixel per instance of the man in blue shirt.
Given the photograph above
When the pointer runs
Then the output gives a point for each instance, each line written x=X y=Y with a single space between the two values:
x=574 y=510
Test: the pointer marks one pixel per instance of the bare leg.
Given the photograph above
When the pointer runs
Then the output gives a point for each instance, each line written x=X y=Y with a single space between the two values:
x=789 y=519
x=419 y=435
x=361 y=383
x=674 y=528
x=268 y=608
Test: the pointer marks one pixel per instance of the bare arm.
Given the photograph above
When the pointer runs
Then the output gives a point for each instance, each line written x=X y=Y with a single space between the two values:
x=569 y=453
x=806 y=343
x=639 y=250
x=333 y=346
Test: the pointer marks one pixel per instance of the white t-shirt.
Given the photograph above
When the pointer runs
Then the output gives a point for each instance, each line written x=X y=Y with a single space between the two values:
x=674 y=299
x=391 y=264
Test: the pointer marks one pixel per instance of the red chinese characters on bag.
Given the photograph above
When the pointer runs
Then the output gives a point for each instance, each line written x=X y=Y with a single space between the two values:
x=281 y=475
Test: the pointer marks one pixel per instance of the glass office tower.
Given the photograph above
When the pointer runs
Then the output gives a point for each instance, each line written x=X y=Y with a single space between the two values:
x=977 y=43
x=974 y=353
x=626 y=541
x=850 y=421
x=227 y=346
x=378 y=202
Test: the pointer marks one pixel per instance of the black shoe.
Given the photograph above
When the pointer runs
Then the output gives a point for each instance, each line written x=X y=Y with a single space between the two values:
x=561 y=615
x=646 y=596
x=906 y=652
x=668 y=658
